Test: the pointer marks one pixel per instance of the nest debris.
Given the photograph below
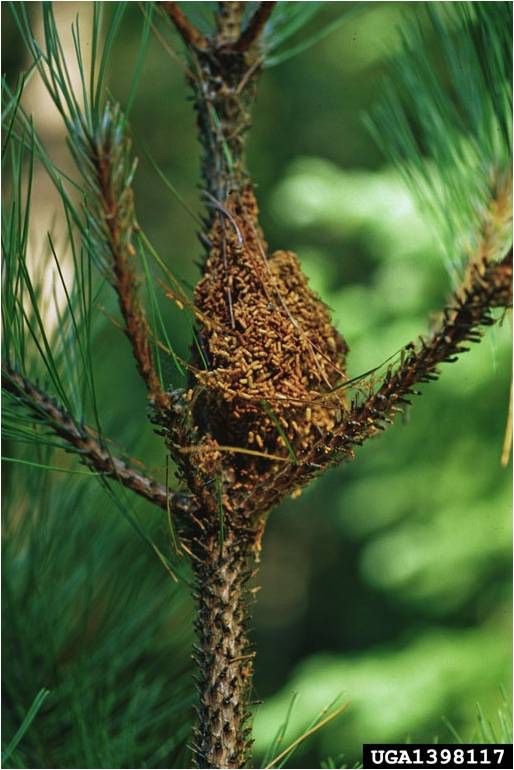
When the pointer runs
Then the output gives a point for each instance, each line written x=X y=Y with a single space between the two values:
x=273 y=354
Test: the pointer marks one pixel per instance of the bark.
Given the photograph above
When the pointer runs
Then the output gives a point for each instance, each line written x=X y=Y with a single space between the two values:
x=223 y=655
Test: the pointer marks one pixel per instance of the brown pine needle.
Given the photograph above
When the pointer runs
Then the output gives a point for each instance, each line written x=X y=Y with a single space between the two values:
x=507 y=441
x=237 y=450
x=182 y=301
x=336 y=713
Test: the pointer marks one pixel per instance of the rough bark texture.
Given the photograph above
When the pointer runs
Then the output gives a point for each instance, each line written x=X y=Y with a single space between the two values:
x=224 y=90
x=223 y=656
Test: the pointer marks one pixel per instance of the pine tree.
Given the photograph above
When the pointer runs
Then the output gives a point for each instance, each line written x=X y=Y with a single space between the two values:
x=267 y=404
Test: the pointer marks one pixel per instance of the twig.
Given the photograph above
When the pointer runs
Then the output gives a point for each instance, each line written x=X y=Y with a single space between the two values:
x=254 y=28
x=191 y=36
x=215 y=204
x=120 y=223
x=228 y=22
x=91 y=450
x=461 y=322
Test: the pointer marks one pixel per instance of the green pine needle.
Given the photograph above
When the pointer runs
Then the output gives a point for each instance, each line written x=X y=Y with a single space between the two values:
x=445 y=120
x=41 y=466
x=31 y=715
x=274 y=419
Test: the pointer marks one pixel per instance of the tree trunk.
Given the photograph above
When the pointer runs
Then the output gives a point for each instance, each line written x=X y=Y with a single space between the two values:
x=223 y=656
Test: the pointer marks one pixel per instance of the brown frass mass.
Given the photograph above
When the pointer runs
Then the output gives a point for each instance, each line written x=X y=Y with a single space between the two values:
x=273 y=354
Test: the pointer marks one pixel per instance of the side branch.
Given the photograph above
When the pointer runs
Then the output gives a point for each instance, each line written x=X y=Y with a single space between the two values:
x=114 y=169
x=194 y=39
x=190 y=35
x=462 y=321
x=88 y=446
x=254 y=28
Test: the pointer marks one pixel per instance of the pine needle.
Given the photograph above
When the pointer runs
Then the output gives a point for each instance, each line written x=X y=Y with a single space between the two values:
x=143 y=47
x=321 y=723
x=172 y=188
x=124 y=508
x=237 y=450
x=274 y=419
x=281 y=731
x=29 y=718
x=43 y=467
x=171 y=525
x=507 y=440
x=310 y=40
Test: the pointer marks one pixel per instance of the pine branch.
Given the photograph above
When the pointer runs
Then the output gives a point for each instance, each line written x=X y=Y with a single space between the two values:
x=254 y=28
x=90 y=448
x=110 y=155
x=190 y=35
x=229 y=38
x=462 y=321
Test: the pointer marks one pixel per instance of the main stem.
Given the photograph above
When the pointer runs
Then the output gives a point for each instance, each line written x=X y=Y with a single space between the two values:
x=224 y=543
x=223 y=656
x=224 y=84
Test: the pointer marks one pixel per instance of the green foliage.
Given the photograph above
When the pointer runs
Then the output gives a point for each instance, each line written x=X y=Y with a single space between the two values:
x=92 y=618
x=499 y=728
x=59 y=350
x=290 y=18
x=446 y=119
x=47 y=335
x=97 y=133
x=86 y=608
x=31 y=714
x=98 y=605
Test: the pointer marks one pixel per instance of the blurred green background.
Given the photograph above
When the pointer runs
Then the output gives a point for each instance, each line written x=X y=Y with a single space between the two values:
x=388 y=580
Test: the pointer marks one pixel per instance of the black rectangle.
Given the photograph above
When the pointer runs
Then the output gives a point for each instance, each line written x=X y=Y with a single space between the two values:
x=430 y=756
